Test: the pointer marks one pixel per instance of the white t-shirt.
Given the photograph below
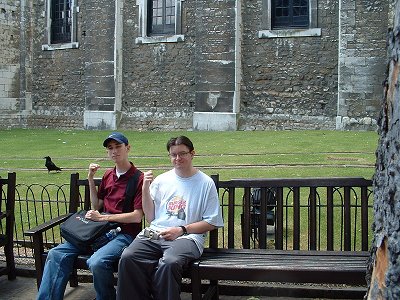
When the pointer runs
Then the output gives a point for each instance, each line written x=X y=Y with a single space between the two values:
x=181 y=201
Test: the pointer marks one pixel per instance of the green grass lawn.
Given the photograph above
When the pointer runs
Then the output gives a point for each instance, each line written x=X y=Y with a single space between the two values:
x=230 y=154
x=268 y=154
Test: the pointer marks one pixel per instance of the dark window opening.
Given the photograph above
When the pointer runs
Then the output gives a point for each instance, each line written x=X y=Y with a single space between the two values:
x=161 y=17
x=290 y=14
x=61 y=21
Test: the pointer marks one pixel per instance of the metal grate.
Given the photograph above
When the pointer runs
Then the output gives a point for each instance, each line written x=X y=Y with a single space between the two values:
x=162 y=17
x=290 y=14
x=61 y=21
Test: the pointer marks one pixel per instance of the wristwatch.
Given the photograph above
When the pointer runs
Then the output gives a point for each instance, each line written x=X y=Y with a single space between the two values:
x=184 y=230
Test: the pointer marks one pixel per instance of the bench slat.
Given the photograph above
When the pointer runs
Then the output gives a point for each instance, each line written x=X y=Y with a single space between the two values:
x=286 y=266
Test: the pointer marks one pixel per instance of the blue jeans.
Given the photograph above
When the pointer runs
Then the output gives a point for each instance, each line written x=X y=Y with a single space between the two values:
x=60 y=261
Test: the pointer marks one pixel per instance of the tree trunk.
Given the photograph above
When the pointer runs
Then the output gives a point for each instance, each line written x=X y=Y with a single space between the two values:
x=384 y=266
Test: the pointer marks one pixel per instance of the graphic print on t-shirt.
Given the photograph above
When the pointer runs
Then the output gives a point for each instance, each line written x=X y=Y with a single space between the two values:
x=176 y=207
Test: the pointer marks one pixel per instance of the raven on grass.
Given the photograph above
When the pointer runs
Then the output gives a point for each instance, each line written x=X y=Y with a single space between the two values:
x=50 y=165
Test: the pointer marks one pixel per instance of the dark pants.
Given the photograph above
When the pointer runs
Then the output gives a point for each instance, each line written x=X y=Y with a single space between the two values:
x=152 y=269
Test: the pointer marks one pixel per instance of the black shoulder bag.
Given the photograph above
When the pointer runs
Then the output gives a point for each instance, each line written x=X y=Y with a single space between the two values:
x=82 y=232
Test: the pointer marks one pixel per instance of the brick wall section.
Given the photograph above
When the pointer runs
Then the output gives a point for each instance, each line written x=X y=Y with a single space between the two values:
x=57 y=79
x=362 y=59
x=215 y=55
x=99 y=26
x=9 y=64
x=159 y=79
x=289 y=83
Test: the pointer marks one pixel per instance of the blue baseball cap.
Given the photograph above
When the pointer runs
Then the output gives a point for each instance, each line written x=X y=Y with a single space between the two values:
x=116 y=136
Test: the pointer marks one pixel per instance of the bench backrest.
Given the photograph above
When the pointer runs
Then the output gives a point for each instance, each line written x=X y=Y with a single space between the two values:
x=310 y=213
x=80 y=200
x=7 y=200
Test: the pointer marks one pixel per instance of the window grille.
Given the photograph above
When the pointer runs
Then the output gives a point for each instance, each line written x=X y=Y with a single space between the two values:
x=161 y=17
x=290 y=14
x=61 y=21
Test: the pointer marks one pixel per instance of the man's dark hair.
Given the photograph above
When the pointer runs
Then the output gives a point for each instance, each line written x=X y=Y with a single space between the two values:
x=180 y=140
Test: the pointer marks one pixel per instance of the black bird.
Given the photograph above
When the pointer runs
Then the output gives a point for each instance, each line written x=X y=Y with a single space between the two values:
x=50 y=165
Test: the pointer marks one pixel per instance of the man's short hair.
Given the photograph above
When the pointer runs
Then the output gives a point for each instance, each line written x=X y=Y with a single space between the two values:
x=180 y=140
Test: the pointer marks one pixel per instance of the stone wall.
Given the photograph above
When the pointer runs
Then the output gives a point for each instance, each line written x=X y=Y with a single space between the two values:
x=221 y=67
x=292 y=83
x=9 y=64
x=57 y=78
x=158 y=79
x=362 y=62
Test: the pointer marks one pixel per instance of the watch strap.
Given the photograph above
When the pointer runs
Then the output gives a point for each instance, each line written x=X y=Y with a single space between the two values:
x=184 y=230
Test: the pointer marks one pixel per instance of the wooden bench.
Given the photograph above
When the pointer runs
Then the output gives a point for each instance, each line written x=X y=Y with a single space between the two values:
x=288 y=262
x=7 y=204
x=236 y=254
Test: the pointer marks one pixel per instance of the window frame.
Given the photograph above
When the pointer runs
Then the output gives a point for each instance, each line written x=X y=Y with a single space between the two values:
x=268 y=32
x=146 y=38
x=73 y=43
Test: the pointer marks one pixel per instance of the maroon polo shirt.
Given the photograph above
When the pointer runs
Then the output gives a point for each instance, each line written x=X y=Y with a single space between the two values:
x=112 y=191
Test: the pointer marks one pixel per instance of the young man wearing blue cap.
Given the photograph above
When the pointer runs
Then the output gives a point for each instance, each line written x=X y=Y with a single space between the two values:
x=109 y=198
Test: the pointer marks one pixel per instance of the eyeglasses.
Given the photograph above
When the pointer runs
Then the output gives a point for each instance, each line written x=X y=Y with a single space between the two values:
x=180 y=154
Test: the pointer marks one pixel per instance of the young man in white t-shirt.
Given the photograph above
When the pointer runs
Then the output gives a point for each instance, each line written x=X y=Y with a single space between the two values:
x=181 y=206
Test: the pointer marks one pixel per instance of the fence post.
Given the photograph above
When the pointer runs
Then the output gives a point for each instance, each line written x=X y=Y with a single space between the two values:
x=213 y=239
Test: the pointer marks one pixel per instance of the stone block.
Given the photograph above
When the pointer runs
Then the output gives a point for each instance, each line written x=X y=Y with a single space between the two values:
x=215 y=121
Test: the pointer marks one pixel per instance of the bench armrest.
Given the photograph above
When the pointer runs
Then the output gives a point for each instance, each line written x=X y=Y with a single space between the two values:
x=36 y=234
x=47 y=225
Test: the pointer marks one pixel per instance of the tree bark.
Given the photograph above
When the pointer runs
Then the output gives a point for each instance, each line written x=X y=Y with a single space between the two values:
x=383 y=273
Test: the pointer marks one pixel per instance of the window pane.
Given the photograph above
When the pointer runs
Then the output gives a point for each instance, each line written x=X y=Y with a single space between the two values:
x=170 y=20
x=299 y=11
x=157 y=4
x=170 y=11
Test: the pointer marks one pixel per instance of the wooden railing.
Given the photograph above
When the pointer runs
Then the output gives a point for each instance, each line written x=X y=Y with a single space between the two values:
x=309 y=214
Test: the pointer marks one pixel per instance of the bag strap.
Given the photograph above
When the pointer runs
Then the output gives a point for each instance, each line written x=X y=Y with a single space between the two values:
x=131 y=190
